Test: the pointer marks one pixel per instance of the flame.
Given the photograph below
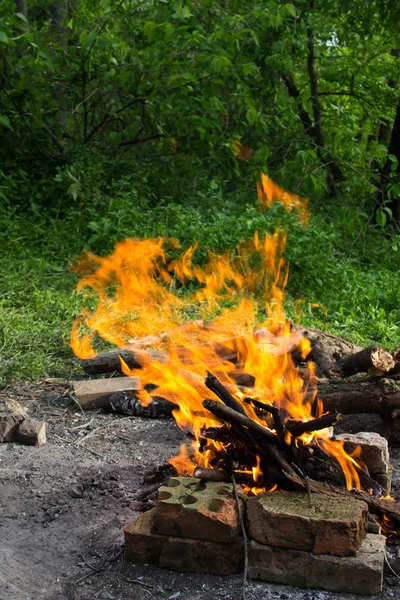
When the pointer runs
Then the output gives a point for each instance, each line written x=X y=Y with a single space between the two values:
x=142 y=304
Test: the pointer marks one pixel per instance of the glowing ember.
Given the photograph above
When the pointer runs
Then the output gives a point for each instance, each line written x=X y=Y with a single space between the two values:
x=141 y=304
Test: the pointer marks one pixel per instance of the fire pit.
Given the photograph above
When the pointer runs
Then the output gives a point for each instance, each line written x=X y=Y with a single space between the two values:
x=262 y=463
x=195 y=527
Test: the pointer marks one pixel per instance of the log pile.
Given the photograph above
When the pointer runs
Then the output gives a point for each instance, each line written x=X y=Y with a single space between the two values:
x=338 y=368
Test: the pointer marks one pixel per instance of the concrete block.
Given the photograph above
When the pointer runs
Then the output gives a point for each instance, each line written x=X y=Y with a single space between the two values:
x=94 y=393
x=330 y=526
x=193 y=508
x=180 y=554
x=9 y=423
x=374 y=449
x=32 y=432
x=359 y=574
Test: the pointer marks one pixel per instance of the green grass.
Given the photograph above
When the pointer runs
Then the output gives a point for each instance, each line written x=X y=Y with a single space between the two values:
x=349 y=270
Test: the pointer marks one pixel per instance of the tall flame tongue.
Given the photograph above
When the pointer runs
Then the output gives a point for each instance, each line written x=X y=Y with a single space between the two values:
x=141 y=304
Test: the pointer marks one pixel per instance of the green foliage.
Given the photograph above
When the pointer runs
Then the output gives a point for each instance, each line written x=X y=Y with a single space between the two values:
x=354 y=280
x=147 y=118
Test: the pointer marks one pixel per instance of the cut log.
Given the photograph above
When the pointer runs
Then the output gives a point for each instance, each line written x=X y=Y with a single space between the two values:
x=368 y=396
x=334 y=346
x=109 y=362
x=134 y=356
x=94 y=393
x=372 y=357
x=323 y=360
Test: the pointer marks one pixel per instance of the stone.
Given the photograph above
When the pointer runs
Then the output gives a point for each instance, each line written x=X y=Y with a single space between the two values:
x=193 y=508
x=330 y=526
x=359 y=574
x=9 y=423
x=32 y=432
x=94 y=393
x=180 y=554
x=374 y=449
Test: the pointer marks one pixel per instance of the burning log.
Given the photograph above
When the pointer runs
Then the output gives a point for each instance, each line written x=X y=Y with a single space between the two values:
x=222 y=393
x=229 y=415
x=109 y=362
x=223 y=476
x=314 y=425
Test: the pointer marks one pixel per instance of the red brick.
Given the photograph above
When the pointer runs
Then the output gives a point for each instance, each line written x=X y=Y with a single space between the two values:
x=329 y=526
x=180 y=554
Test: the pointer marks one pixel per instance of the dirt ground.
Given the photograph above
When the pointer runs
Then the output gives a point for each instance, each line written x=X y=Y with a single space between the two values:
x=63 y=507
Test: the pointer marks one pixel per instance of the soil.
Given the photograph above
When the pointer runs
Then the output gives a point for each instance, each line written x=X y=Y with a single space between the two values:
x=63 y=506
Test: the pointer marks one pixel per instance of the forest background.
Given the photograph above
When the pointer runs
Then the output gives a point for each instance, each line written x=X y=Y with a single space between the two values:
x=144 y=118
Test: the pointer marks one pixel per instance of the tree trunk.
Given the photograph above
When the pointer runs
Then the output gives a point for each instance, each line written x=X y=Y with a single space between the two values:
x=393 y=136
x=333 y=170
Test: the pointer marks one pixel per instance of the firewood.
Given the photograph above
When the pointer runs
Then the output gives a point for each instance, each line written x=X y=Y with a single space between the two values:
x=366 y=396
x=222 y=393
x=109 y=362
x=135 y=355
x=229 y=415
x=270 y=409
x=372 y=357
x=323 y=360
x=315 y=424
x=223 y=476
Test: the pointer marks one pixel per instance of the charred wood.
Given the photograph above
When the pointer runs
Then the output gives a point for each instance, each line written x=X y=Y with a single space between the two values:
x=124 y=404
x=229 y=415
x=298 y=429
x=223 y=476
x=222 y=393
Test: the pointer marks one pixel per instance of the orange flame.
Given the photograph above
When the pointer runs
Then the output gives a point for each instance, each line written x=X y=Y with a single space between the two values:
x=141 y=305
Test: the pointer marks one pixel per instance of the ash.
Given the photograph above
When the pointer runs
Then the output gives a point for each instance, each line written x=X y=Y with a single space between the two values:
x=63 y=507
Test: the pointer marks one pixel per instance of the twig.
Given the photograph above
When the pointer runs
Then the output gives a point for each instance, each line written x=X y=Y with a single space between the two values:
x=243 y=528
x=79 y=442
x=82 y=426
x=147 y=585
x=98 y=569
x=93 y=452
x=390 y=566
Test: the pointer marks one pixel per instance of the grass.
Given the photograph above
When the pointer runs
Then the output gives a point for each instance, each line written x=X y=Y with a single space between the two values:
x=336 y=262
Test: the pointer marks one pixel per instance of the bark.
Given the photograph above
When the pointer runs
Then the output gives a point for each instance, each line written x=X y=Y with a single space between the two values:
x=352 y=397
x=313 y=128
x=394 y=149
x=333 y=170
x=372 y=357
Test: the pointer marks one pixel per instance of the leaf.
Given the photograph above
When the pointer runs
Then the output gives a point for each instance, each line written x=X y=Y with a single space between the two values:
x=220 y=62
x=381 y=218
x=22 y=17
x=5 y=121
x=4 y=37
x=252 y=115
x=149 y=30
x=291 y=9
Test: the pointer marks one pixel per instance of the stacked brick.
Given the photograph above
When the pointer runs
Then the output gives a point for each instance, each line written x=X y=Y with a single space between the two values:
x=195 y=527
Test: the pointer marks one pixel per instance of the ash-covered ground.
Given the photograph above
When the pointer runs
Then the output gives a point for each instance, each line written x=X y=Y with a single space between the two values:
x=63 y=507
